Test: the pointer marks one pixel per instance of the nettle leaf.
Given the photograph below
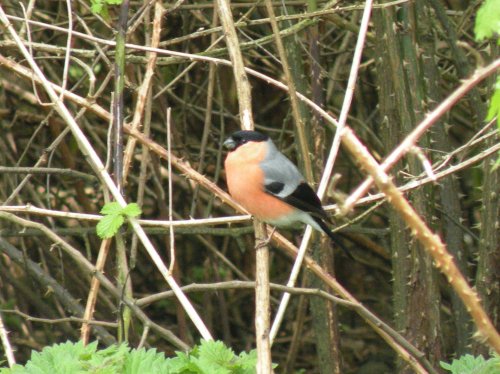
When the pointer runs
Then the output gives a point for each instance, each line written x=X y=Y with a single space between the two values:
x=488 y=20
x=132 y=210
x=216 y=351
x=108 y=225
x=248 y=362
x=146 y=361
x=214 y=357
x=210 y=357
x=468 y=364
x=59 y=358
x=107 y=361
x=182 y=364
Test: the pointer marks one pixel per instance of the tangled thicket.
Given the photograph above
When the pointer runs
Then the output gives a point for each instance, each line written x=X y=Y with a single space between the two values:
x=415 y=55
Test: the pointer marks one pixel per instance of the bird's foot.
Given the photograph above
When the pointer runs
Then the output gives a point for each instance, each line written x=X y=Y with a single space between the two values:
x=264 y=242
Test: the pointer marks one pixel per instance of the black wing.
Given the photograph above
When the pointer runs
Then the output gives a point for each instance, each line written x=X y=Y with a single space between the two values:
x=303 y=198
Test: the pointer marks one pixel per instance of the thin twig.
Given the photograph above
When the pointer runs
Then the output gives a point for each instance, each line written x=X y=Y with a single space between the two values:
x=170 y=192
x=94 y=291
x=430 y=241
x=329 y=164
x=262 y=304
x=43 y=170
x=419 y=130
x=31 y=209
x=9 y=353
x=144 y=90
x=98 y=167
x=236 y=285
x=52 y=321
x=88 y=268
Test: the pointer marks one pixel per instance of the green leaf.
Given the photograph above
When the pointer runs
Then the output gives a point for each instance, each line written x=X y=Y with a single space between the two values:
x=59 y=358
x=209 y=357
x=494 y=109
x=96 y=6
x=468 y=364
x=248 y=362
x=112 y=208
x=132 y=210
x=216 y=351
x=108 y=225
x=214 y=357
x=146 y=361
x=114 y=216
x=101 y=6
x=488 y=20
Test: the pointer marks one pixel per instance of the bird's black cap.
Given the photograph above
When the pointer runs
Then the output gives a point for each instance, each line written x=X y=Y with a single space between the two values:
x=241 y=137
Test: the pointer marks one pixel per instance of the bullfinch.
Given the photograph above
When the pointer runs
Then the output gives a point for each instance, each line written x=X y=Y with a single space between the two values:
x=269 y=185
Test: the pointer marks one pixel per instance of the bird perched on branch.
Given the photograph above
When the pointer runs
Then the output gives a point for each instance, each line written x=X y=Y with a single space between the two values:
x=269 y=185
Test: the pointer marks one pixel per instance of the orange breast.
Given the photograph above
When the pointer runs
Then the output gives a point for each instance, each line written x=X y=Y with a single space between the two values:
x=245 y=180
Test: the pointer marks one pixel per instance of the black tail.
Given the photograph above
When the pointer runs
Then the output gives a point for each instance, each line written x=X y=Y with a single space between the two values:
x=334 y=237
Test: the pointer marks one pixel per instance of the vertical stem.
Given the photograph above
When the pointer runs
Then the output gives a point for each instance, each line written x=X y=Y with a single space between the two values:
x=262 y=303
x=98 y=167
x=240 y=76
x=262 y=256
x=324 y=313
x=299 y=122
x=118 y=98
x=94 y=291
x=487 y=277
x=118 y=117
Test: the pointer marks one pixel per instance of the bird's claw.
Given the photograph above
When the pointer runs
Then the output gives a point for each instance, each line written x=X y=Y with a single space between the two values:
x=261 y=243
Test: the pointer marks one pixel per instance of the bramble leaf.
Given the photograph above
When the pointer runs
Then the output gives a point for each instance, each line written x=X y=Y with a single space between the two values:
x=108 y=225
x=111 y=208
x=132 y=210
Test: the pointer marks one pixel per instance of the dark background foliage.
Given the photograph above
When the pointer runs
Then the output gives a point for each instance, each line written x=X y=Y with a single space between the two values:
x=415 y=55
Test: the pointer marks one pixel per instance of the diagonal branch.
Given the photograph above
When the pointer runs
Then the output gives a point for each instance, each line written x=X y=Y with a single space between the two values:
x=97 y=165
x=430 y=241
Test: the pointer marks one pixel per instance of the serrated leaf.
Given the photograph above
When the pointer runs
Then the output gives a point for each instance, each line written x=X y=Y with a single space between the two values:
x=111 y=208
x=488 y=20
x=468 y=364
x=213 y=357
x=216 y=351
x=96 y=6
x=146 y=361
x=247 y=362
x=59 y=358
x=132 y=210
x=108 y=225
x=207 y=358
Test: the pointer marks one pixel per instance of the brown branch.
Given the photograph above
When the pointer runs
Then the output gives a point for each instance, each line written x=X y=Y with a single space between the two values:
x=262 y=303
x=416 y=134
x=402 y=346
x=144 y=90
x=431 y=242
x=240 y=75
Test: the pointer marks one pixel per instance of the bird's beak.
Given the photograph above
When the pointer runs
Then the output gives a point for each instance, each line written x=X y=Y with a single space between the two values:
x=230 y=144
